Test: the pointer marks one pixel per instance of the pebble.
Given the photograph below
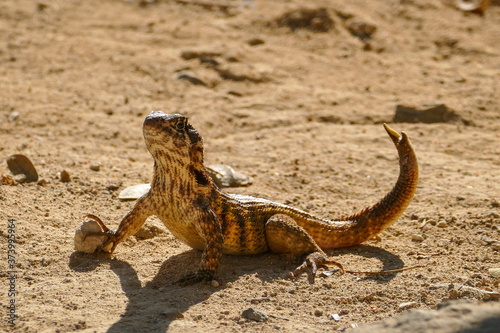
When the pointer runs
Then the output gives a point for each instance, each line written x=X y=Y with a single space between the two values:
x=255 y=315
x=13 y=116
x=113 y=186
x=90 y=243
x=318 y=312
x=487 y=240
x=362 y=30
x=95 y=166
x=225 y=176
x=494 y=272
x=134 y=192
x=20 y=164
x=65 y=177
x=407 y=305
x=191 y=77
x=461 y=198
x=148 y=232
x=414 y=217
x=336 y=316
x=255 y=41
x=442 y=224
x=417 y=238
x=215 y=283
x=172 y=314
x=430 y=113
x=20 y=178
x=42 y=181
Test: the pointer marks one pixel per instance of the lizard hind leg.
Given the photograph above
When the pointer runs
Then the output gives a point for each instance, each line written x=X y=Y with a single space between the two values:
x=285 y=236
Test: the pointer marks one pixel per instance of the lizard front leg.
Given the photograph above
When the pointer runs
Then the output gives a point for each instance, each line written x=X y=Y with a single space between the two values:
x=129 y=225
x=284 y=235
x=209 y=227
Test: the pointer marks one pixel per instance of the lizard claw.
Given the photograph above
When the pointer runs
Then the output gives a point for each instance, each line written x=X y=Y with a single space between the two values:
x=311 y=264
x=198 y=276
x=109 y=245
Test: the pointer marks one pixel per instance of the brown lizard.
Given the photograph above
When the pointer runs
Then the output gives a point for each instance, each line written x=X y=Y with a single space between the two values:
x=191 y=206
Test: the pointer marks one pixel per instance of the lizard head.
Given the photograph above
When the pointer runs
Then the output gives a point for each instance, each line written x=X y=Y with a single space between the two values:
x=170 y=138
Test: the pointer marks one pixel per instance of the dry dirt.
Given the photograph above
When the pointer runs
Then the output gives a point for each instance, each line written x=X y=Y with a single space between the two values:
x=297 y=108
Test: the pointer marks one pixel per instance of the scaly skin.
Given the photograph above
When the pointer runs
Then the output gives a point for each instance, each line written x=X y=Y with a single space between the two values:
x=190 y=205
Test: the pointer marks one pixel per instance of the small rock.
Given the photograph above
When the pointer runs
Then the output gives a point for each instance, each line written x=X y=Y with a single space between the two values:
x=407 y=305
x=414 y=217
x=478 y=7
x=113 y=186
x=255 y=41
x=191 y=77
x=95 y=166
x=434 y=113
x=225 y=176
x=494 y=215
x=362 y=30
x=134 y=192
x=148 y=232
x=13 y=116
x=488 y=240
x=42 y=181
x=191 y=54
x=494 y=272
x=215 y=283
x=316 y=19
x=453 y=294
x=461 y=198
x=336 y=316
x=64 y=176
x=90 y=243
x=417 y=238
x=172 y=313
x=20 y=164
x=318 y=312
x=255 y=315
x=442 y=224
x=20 y=178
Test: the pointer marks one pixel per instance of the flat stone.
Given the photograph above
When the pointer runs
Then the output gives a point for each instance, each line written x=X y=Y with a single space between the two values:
x=407 y=305
x=255 y=315
x=417 y=238
x=225 y=176
x=20 y=164
x=134 y=192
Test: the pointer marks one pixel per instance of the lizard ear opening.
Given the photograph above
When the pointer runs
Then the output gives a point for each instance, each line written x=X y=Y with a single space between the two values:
x=200 y=177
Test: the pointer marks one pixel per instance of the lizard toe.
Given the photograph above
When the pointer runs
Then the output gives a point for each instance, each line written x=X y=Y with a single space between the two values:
x=311 y=264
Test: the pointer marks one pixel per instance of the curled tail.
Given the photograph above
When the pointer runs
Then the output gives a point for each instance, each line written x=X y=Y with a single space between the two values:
x=373 y=220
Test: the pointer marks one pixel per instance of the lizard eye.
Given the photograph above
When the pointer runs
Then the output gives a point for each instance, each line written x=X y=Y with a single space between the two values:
x=180 y=125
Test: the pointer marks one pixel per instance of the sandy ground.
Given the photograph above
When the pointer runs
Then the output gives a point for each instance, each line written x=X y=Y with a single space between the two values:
x=298 y=109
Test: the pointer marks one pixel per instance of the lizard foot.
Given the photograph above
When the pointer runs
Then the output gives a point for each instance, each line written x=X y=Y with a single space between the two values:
x=198 y=276
x=311 y=264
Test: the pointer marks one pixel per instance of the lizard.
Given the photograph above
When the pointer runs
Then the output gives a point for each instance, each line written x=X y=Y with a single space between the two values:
x=185 y=198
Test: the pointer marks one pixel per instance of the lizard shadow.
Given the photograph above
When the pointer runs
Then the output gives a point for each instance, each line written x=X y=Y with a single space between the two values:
x=152 y=305
x=389 y=260
x=155 y=305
